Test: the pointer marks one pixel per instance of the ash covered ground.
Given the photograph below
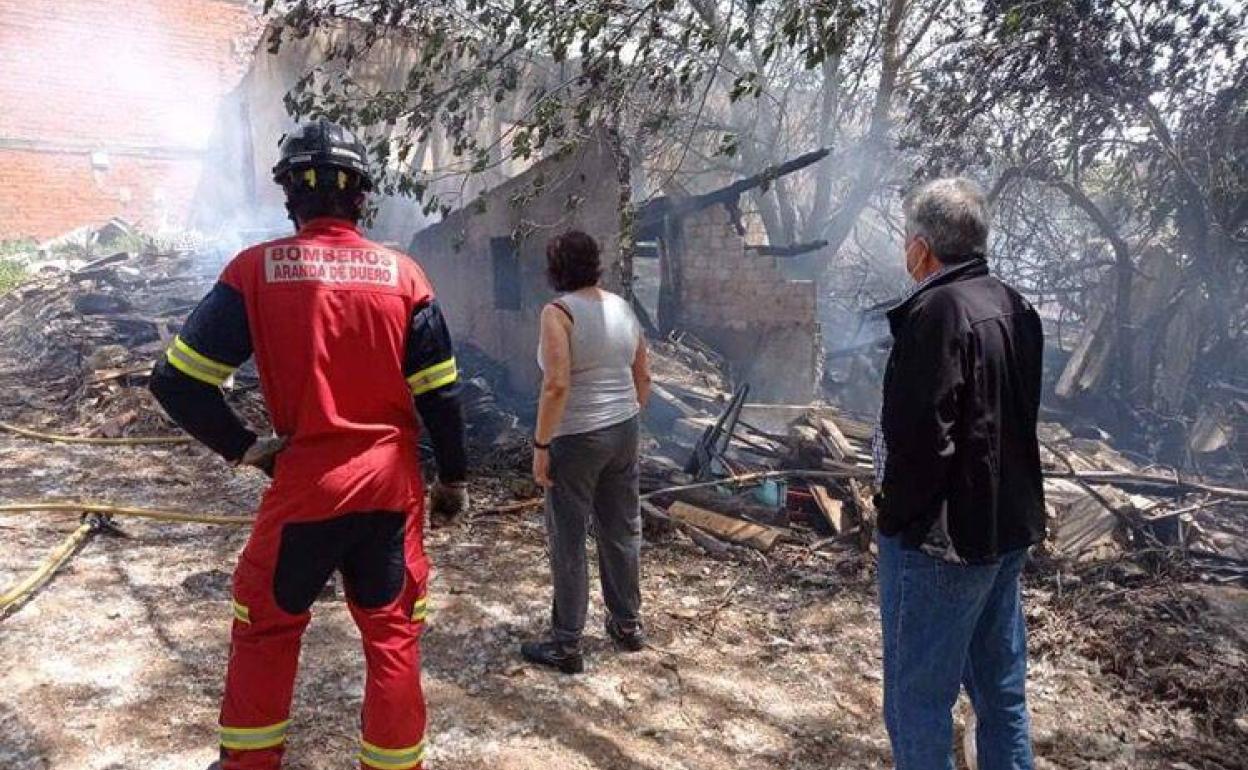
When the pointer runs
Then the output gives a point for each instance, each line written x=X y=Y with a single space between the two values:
x=766 y=661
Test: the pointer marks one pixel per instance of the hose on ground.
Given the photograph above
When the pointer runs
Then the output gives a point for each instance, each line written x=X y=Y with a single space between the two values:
x=16 y=596
x=185 y=517
x=61 y=439
x=95 y=518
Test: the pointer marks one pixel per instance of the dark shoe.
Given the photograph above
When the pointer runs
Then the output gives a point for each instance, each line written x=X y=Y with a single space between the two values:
x=632 y=639
x=563 y=656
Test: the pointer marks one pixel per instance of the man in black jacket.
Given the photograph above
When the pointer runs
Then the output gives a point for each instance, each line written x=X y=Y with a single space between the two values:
x=958 y=465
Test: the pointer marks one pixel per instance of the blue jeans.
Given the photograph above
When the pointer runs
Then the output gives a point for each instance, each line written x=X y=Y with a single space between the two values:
x=947 y=626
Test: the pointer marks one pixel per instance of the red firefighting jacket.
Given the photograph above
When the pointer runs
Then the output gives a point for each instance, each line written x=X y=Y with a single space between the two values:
x=344 y=333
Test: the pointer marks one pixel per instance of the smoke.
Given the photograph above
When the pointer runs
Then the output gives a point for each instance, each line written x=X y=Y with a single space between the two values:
x=239 y=200
x=178 y=119
x=123 y=79
x=119 y=105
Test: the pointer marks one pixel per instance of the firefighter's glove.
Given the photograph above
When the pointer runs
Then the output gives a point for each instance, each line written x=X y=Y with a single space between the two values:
x=447 y=501
x=263 y=453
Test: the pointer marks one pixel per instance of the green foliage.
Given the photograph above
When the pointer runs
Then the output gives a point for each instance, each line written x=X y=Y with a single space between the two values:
x=88 y=248
x=12 y=273
x=16 y=247
x=1142 y=101
x=12 y=262
x=132 y=243
x=1073 y=84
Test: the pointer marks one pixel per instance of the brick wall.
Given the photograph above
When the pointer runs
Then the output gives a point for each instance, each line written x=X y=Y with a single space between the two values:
x=49 y=193
x=106 y=107
x=725 y=285
x=744 y=305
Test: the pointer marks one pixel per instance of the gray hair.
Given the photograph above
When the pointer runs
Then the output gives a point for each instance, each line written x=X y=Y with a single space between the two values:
x=951 y=214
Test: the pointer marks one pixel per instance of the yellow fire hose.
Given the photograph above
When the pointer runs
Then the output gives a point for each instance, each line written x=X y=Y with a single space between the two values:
x=133 y=441
x=117 y=510
x=17 y=595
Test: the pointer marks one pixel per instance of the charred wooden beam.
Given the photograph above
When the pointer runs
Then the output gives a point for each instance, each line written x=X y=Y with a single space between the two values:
x=651 y=216
x=645 y=250
x=792 y=250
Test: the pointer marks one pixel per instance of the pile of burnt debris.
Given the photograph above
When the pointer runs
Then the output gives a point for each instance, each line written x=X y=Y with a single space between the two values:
x=101 y=306
x=1143 y=569
x=732 y=475
x=755 y=475
x=81 y=334
x=1140 y=563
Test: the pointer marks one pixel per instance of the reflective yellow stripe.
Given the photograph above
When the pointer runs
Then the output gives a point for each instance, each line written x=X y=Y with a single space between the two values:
x=392 y=759
x=241 y=612
x=204 y=361
x=250 y=738
x=420 y=610
x=403 y=753
x=187 y=360
x=253 y=731
x=439 y=383
x=434 y=377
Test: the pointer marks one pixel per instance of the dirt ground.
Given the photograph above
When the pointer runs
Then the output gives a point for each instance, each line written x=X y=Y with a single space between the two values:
x=118 y=662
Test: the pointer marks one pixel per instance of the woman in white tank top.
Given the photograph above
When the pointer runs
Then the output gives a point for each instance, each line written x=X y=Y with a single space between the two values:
x=595 y=381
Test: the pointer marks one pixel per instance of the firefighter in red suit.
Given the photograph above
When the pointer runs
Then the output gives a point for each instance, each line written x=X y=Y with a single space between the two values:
x=344 y=333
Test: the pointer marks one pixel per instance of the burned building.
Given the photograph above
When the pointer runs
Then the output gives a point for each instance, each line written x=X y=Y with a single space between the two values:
x=738 y=301
x=734 y=295
x=252 y=118
x=487 y=260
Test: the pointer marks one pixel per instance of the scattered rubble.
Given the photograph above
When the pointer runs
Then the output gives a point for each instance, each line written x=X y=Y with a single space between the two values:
x=89 y=333
x=86 y=336
x=1142 y=578
x=1170 y=402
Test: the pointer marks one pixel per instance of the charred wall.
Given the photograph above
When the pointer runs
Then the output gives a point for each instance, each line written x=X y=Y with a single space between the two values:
x=487 y=260
x=253 y=117
x=744 y=306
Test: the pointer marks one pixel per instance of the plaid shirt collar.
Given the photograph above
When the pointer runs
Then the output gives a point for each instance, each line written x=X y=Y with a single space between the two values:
x=923 y=284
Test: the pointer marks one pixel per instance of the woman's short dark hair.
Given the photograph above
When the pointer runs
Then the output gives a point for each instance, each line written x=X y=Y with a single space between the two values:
x=572 y=261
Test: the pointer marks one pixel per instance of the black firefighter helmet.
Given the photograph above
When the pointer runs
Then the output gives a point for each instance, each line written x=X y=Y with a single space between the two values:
x=322 y=144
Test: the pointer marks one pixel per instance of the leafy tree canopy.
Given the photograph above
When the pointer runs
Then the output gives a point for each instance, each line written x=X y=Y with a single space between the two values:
x=562 y=65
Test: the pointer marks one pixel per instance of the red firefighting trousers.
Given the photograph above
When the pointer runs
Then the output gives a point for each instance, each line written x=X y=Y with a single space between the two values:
x=283 y=568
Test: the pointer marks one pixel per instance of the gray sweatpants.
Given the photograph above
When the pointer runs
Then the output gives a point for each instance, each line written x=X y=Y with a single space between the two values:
x=594 y=474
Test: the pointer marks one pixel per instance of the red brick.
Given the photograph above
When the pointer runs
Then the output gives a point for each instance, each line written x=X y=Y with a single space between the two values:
x=138 y=79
